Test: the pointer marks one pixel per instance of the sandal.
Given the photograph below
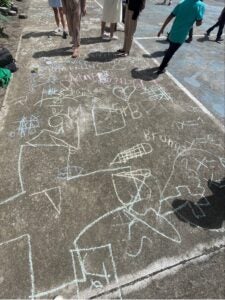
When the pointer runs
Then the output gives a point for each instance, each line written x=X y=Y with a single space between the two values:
x=120 y=51
x=124 y=54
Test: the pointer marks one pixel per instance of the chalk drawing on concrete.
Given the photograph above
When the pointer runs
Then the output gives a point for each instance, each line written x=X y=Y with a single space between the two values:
x=189 y=123
x=123 y=93
x=107 y=120
x=54 y=195
x=195 y=172
x=104 y=77
x=29 y=262
x=156 y=93
x=28 y=125
x=93 y=275
x=136 y=151
x=140 y=193
x=69 y=172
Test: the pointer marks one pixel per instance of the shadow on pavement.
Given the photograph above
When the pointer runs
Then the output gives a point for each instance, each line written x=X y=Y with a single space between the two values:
x=203 y=39
x=39 y=34
x=146 y=74
x=154 y=54
x=54 y=52
x=93 y=40
x=162 y=41
x=160 y=3
x=208 y=212
x=101 y=56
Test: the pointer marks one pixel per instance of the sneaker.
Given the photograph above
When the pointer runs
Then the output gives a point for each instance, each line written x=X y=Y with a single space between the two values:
x=159 y=72
x=65 y=34
x=114 y=38
x=188 y=40
x=219 y=40
x=106 y=37
x=207 y=33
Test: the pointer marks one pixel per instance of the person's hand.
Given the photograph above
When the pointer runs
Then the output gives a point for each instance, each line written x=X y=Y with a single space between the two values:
x=160 y=32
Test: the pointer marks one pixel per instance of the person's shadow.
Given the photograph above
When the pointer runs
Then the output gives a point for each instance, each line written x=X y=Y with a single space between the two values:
x=39 y=34
x=154 y=54
x=208 y=212
x=53 y=53
x=146 y=74
x=203 y=39
x=93 y=40
x=101 y=56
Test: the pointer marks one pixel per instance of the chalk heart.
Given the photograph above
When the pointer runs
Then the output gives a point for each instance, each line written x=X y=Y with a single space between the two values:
x=123 y=93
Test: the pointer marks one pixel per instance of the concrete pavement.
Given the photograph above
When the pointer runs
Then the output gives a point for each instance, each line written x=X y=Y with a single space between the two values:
x=104 y=174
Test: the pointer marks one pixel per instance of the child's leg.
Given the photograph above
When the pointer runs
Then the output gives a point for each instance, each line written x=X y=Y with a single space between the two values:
x=56 y=14
x=112 y=29
x=62 y=18
x=103 y=28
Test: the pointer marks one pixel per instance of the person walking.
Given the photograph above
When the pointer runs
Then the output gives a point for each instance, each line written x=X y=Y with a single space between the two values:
x=185 y=13
x=220 y=23
x=133 y=9
x=74 y=10
x=112 y=13
x=59 y=16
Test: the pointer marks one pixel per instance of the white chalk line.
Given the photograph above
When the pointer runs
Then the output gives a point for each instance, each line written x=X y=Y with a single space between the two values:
x=180 y=85
x=164 y=37
x=29 y=258
x=164 y=267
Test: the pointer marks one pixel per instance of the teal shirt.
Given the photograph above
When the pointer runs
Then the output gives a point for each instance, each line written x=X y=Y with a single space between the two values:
x=186 y=13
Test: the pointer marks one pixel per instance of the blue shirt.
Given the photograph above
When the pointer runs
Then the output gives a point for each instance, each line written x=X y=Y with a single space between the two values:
x=186 y=13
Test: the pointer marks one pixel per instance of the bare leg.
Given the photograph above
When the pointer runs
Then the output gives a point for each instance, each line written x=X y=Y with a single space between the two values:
x=56 y=14
x=112 y=29
x=103 y=28
x=62 y=18
x=76 y=52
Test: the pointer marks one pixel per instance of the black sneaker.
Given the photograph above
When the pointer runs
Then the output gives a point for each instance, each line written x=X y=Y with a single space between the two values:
x=65 y=34
x=161 y=71
x=219 y=40
x=207 y=33
x=188 y=40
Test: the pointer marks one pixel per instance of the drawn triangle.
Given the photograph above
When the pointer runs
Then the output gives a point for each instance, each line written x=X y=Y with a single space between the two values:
x=55 y=197
x=44 y=138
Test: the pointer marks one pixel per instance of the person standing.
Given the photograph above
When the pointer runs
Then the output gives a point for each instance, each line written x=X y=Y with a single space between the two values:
x=185 y=13
x=59 y=16
x=133 y=9
x=112 y=13
x=220 y=23
x=74 y=9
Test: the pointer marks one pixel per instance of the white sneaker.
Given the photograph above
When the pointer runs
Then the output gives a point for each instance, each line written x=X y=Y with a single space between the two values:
x=105 y=37
x=114 y=37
